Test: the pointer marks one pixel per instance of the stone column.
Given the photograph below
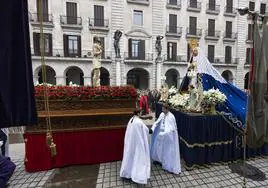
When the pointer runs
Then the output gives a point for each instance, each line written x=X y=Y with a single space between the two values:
x=159 y=75
x=61 y=80
x=118 y=71
x=87 y=80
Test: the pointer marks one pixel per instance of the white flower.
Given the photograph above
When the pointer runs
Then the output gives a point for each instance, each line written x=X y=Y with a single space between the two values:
x=214 y=96
x=173 y=90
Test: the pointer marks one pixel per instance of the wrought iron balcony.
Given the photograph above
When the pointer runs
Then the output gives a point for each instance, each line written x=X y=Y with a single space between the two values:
x=225 y=60
x=195 y=7
x=212 y=9
x=70 y=20
x=100 y=24
x=175 y=58
x=174 y=4
x=138 y=56
x=46 y=18
x=228 y=36
x=141 y=2
x=230 y=11
x=212 y=35
x=193 y=33
x=173 y=31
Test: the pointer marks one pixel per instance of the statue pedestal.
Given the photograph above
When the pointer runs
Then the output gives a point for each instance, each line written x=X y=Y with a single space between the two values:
x=118 y=71
x=158 y=62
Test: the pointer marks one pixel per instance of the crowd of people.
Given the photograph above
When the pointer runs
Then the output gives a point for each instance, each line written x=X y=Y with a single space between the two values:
x=147 y=100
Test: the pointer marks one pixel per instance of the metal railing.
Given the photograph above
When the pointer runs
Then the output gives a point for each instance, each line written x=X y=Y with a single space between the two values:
x=70 y=20
x=216 y=34
x=213 y=7
x=34 y=17
x=174 y=3
x=230 y=10
x=230 y=35
x=138 y=56
x=98 y=22
x=225 y=60
x=174 y=29
x=175 y=58
x=196 y=32
x=192 y=5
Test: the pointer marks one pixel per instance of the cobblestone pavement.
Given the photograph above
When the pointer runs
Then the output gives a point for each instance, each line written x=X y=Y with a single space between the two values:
x=215 y=176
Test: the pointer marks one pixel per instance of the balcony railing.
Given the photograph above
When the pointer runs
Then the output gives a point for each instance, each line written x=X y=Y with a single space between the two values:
x=230 y=11
x=74 y=54
x=193 y=32
x=96 y=22
x=137 y=56
x=142 y=2
x=174 y=4
x=225 y=60
x=48 y=18
x=213 y=34
x=175 y=58
x=173 y=30
x=229 y=36
x=70 y=20
x=213 y=8
x=191 y=6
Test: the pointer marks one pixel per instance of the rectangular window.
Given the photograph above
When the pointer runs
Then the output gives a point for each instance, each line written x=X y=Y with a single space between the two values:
x=251 y=6
x=47 y=43
x=171 y=51
x=228 y=54
x=262 y=8
x=193 y=3
x=192 y=25
x=136 y=49
x=211 y=27
x=44 y=9
x=248 y=56
x=211 y=52
x=250 y=31
x=71 y=13
x=72 y=45
x=173 y=2
x=172 y=23
x=228 y=29
x=212 y=5
x=229 y=6
x=98 y=15
x=138 y=17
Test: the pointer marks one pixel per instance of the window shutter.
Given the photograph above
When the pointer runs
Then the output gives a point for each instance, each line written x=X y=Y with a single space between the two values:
x=50 y=45
x=248 y=56
x=211 y=27
x=252 y=6
x=98 y=15
x=263 y=8
x=129 y=48
x=193 y=3
x=71 y=10
x=228 y=29
x=173 y=23
x=250 y=31
x=103 y=47
x=174 y=51
x=211 y=49
x=229 y=6
x=79 y=45
x=192 y=26
x=36 y=40
x=228 y=54
x=66 y=46
x=168 y=52
x=173 y=2
x=142 y=49
x=212 y=5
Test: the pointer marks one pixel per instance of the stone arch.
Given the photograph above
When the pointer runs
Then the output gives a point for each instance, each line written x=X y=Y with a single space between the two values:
x=138 y=77
x=104 y=77
x=75 y=75
x=173 y=78
x=50 y=75
x=228 y=76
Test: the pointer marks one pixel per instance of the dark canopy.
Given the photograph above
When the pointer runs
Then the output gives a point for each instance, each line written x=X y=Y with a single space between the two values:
x=17 y=102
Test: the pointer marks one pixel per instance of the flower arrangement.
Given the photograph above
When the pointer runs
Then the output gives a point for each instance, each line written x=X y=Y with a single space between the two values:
x=85 y=92
x=213 y=97
x=173 y=90
x=180 y=101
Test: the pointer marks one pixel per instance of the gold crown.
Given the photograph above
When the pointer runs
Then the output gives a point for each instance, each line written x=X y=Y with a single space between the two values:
x=193 y=43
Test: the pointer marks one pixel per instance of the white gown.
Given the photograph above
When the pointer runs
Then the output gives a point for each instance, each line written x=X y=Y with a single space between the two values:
x=136 y=162
x=165 y=143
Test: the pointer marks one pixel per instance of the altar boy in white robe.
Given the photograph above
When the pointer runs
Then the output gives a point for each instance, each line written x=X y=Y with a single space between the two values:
x=165 y=142
x=136 y=164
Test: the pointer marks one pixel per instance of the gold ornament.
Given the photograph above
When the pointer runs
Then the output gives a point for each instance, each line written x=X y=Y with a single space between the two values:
x=193 y=43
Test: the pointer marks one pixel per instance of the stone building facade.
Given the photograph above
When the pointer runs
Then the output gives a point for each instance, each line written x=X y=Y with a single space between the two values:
x=70 y=27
